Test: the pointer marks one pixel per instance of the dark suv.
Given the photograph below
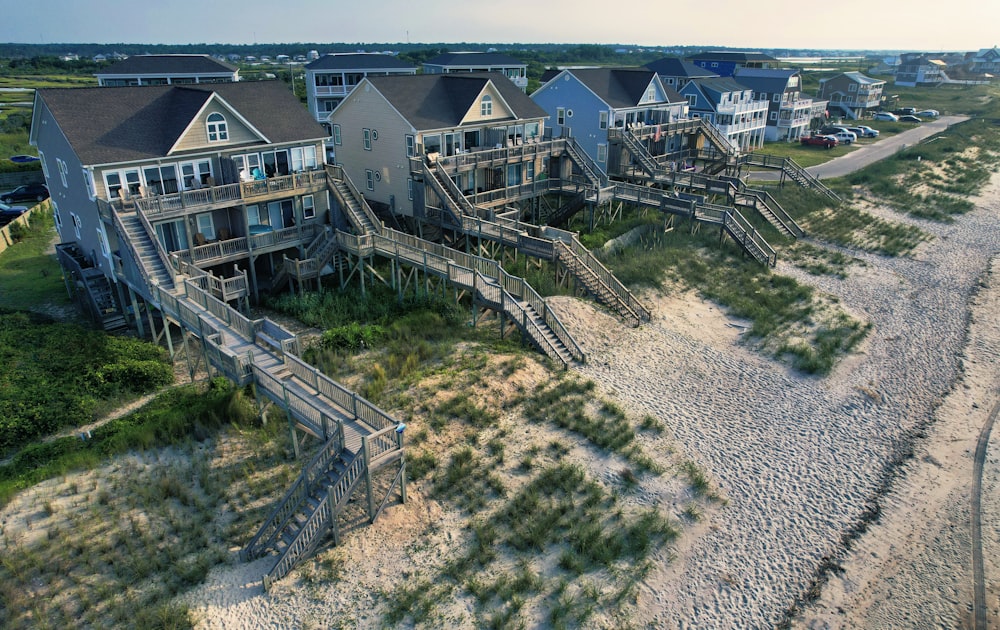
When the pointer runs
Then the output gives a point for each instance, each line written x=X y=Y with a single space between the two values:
x=29 y=192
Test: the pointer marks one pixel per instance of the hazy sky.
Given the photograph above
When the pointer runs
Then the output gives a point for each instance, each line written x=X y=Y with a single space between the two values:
x=841 y=24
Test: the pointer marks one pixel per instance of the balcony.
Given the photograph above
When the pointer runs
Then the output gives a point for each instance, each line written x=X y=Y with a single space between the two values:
x=334 y=90
x=159 y=207
x=242 y=246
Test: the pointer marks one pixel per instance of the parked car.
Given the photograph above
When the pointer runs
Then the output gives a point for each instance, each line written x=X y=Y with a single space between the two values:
x=9 y=212
x=864 y=131
x=905 y=111
x=928 y=113
x=910 y=119
x=28 y=192
x=819 y=140
x=885 y=116
x=842 y=134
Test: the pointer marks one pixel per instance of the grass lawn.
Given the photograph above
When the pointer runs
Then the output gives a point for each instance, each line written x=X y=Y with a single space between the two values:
x=30 y=278
x=805 y=156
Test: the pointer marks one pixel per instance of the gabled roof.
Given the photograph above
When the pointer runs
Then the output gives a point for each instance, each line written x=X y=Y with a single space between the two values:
x=168 y=64
x=734 y=56
x=441 y=101
x=674 y=67
x=123 y=124
x=621 y=87
x=862 y=79
x=764 y=80
x=713 y=88
x=359 y=61
x=463 y=59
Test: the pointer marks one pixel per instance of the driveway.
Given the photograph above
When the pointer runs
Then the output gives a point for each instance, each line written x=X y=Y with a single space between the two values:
x=869 y=153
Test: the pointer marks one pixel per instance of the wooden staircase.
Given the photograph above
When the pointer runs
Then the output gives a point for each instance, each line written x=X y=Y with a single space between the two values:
x=146 y=250
x=791 y=169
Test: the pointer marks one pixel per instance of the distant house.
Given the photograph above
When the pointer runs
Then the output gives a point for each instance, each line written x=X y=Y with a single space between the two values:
x=920 y=69
x=986 y=61
x=790 y=113
x=676 y=73
x=852 y=94
x=390 y=125
x=167 y=70
x=447 y=63
x=586 y=102
x=133 y=171
x=731 y=107
x=331 y=78
x=725 y=63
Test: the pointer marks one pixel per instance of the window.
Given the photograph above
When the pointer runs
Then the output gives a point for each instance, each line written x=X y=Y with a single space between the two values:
x=103 y=239
x=410 y=146
x=774 y=115
x=692 y=100
x=206 y=226
x=486 y=105
x=303 y=158
x=308 y=207
x=88 y=181
x=603 y=120
x=651 y=94
x=602 y=153
x=715 y=64
x=367 y=136
x=217 y=130
x=369 y=179
x=777 y=97
x=77 y=225
x=63 y=171
x=255 y=217
x=560 y=116
x=853 y=87
x=336 y=134
x=409 y=188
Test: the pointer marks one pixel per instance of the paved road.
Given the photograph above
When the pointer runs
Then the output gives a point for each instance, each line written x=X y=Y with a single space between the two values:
x=869 y=153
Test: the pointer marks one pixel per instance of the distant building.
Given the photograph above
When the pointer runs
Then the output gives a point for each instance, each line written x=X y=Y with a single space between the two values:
x=675 y=73
x=790 y=113
x=920 y=69
x=731 y=107
x=852 y=94
x=167 y=70
x=725 y=63
x=986 y=61
x=447 y=63
x=331 y=78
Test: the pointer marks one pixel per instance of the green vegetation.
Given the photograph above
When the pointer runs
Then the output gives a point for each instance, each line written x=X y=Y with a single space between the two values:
x=175 y=417
x=559 y=516
x=933 y=179
x=58 y=375
x=30 y=278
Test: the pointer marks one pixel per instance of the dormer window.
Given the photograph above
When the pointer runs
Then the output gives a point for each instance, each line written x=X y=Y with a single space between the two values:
x=486 y=105
x=217 y=130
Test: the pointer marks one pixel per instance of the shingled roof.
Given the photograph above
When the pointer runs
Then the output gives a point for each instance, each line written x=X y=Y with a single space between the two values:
x=674 y=67
x=122 y=124
x=168 y=64
x=621 y=87
x=359 y=61
x=440 y=101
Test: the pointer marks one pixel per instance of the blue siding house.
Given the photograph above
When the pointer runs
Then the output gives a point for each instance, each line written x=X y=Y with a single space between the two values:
x=585 y=103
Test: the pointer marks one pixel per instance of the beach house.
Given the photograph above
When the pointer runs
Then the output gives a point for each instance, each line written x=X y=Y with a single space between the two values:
x=851 y=94
x=167 y=70
x=330 y=78
x=446 y=63
x=224 y=177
